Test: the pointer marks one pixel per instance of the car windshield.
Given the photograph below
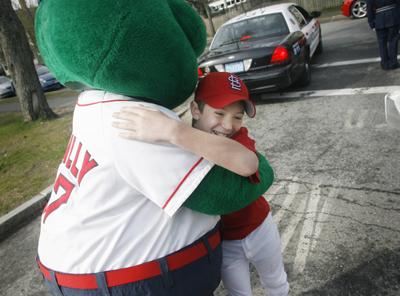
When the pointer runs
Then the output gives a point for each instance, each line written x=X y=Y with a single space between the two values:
x=3 y=79
x=264 y=26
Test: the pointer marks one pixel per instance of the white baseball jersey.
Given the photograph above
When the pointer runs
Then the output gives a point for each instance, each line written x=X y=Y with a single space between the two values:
x=117 y=203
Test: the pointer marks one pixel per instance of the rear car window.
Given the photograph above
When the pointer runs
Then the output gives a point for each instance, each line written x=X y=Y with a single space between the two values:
x=42 y=70
x=264 y=26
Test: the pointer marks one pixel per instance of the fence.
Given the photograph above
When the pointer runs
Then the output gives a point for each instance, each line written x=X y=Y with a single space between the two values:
x=225 y=15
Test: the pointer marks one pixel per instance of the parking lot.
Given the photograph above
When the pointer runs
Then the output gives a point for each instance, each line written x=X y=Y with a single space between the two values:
x=336 y=197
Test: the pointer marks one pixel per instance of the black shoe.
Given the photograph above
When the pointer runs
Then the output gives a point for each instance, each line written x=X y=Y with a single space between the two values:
x=395 y=66
x=384 y=67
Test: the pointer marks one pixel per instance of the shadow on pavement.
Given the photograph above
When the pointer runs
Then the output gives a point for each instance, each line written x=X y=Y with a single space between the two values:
x=379 y=276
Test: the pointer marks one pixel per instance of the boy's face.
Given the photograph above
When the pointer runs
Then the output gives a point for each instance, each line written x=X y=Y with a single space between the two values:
x=222 y=122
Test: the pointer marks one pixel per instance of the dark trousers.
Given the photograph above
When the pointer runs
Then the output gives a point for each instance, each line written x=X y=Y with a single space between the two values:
x=387 y=41
x=199 y=278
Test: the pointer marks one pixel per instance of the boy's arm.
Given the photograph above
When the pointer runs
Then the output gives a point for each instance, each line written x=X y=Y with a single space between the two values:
x=152 y=126
x=221 y=191
x=222 y=151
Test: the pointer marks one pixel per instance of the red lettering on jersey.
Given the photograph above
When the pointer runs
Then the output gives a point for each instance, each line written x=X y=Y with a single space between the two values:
x=87 y=165
x=74 y=170
x=67 y=186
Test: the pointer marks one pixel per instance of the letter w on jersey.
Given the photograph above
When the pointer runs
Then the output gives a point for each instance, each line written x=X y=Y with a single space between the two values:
x=63 y=185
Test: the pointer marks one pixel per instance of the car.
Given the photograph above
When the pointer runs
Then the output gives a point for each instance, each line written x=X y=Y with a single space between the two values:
x=6 y=87
x=354 y=8
x=269 y=48
x=47 y=79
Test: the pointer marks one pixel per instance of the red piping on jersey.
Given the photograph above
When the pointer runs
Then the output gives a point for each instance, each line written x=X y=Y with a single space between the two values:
x=101 y=102
x=181 y=182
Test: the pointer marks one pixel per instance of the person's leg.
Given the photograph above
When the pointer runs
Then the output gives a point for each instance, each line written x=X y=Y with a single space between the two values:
x=393 y=37
x=235 y=269
x=382 y=36
x=264 y=248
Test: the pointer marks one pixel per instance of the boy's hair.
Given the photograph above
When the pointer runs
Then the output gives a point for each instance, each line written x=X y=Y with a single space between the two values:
x=219 y=89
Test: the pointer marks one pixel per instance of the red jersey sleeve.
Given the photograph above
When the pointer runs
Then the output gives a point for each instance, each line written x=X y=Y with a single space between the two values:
x=242 y=136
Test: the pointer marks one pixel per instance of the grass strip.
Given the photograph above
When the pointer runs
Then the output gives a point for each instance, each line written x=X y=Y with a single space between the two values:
x=29 y=156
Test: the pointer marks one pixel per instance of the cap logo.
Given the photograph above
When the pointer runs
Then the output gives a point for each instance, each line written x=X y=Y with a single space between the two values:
x=235 y=82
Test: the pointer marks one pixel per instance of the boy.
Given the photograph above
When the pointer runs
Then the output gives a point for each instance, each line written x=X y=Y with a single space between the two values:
x=250 y=235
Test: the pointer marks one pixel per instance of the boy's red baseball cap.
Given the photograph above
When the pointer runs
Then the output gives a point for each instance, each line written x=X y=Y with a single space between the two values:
x=219 y=89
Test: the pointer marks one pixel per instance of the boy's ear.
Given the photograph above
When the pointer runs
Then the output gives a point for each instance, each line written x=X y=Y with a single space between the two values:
x=194 y=108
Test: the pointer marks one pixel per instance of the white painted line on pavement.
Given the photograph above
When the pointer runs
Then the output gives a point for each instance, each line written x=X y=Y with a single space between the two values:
x=293 y=222
x=322 y=216
x=333 y=92
x=293 y=188
x=306 y=235
x=349 y=62
x=270 y=195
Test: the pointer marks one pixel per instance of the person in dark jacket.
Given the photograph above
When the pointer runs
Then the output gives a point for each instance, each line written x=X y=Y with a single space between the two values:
x=383 y=17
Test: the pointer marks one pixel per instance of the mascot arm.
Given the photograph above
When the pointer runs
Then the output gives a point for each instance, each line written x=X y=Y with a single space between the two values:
x=222 y=191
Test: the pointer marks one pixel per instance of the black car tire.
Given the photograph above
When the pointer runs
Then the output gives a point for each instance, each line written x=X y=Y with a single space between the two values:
x=356 y=4
x=305 y=77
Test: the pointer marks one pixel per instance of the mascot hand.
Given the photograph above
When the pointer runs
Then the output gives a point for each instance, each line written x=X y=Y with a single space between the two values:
x=214 y=197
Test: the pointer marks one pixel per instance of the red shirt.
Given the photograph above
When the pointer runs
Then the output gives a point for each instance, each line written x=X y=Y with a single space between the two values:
x=239 y=224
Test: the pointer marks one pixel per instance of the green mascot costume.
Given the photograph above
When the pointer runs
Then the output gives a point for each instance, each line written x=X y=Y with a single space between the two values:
x=127 y=217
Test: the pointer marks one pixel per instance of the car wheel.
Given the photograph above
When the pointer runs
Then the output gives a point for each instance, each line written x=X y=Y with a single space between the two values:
x=305 y=77
x=359 y=9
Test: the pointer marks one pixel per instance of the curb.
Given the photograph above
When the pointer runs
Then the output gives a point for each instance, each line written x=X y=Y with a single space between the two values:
x=12 y=221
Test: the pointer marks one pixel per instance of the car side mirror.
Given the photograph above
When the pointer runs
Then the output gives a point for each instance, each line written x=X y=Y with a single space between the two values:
x=315 y=14
x=392 y=110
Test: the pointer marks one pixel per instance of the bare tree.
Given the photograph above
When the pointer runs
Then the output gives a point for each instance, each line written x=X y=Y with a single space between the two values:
x=29 y=30
x=3 y=63
x=19 y=60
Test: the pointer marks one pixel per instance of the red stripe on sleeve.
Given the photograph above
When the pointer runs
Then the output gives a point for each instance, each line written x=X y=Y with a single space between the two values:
x=181 y=182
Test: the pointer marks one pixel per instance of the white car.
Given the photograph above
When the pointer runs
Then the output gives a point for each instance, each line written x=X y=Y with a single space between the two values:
x=6 y=87
x=269 y=48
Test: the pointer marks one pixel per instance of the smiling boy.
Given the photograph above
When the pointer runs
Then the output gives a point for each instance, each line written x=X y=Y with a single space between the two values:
x=250 y=234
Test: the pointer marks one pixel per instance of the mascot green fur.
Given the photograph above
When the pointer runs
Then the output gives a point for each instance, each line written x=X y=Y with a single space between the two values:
x=108 y=236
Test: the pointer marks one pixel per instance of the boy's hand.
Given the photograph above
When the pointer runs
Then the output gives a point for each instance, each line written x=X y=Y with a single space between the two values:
x=145 y=124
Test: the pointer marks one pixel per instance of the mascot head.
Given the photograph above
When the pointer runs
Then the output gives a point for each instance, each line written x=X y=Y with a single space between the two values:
x=139 y=48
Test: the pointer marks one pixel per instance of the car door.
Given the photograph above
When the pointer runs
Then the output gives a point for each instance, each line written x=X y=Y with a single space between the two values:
x=308 y=25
